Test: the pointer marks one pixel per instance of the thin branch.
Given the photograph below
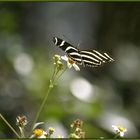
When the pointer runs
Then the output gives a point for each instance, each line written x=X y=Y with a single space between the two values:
x=9 y=126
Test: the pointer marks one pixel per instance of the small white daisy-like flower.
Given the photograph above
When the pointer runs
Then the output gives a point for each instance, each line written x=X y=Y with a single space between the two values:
x=39 y=133
x=70 y=63
x=119 y=130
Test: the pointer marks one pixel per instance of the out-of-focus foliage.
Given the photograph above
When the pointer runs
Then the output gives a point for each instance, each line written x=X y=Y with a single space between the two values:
x=100 y=97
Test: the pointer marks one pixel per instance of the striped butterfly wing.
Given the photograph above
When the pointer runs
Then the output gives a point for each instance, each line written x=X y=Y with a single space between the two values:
x=93 y=58
x=69 y=49
x=90 y=58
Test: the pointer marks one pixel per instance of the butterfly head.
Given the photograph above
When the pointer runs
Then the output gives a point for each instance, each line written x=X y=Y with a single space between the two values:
x=55 y=40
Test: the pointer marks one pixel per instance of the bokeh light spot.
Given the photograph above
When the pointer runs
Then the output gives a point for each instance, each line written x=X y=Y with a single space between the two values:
x=23 y=64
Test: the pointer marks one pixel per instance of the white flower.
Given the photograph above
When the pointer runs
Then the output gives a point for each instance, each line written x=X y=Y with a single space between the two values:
x=119 y=129
x=39 y=133
x=70 y=63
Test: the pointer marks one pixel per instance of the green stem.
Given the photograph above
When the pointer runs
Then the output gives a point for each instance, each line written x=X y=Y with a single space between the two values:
x=53 y=75
x=22 y=132
x=9 y=126
x=41 y=107
x=61 y=74
x=45 y=99
x=51 y=85
x=117 y=135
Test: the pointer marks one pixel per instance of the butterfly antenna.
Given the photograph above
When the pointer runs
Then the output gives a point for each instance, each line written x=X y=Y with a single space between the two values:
x=80 y=42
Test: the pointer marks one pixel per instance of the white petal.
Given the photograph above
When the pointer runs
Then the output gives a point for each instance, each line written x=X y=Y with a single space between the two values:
x=121 y=134
x=32 y=136
x=64 y=58
x=37 y=124
x=115 y=127
x=76 y=67
x=69 y=65
x=42 y=136
x=44 y=133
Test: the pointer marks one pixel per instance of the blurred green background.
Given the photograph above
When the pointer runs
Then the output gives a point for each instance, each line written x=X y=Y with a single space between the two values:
x=101 y=97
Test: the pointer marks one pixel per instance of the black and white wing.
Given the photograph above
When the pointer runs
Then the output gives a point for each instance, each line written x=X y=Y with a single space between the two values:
x=90 y=58
x=94 y=58
x=69 y=49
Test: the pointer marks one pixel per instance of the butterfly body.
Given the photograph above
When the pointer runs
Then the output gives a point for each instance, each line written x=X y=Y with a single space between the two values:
x=90 y=58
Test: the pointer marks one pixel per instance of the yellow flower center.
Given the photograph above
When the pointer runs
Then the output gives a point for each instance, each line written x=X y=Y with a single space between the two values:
x=38 y=132
x=121 y=128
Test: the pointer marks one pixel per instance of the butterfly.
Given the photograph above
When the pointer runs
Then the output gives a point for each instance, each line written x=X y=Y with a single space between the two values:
x=91 y=58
